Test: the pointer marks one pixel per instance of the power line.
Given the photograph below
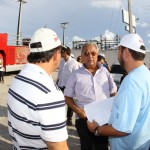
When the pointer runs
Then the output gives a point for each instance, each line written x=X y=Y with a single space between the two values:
x=119 y=12
x=111 y=16
x=7 y=6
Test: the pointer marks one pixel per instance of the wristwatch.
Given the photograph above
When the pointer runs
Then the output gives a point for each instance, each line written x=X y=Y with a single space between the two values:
x=96 y=132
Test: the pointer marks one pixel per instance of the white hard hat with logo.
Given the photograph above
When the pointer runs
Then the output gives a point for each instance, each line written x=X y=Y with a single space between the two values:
x=133 y=42
x=44 y=39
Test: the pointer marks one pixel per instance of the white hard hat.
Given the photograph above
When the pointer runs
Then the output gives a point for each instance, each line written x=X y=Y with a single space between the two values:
x=133 y=42
x=44 y=39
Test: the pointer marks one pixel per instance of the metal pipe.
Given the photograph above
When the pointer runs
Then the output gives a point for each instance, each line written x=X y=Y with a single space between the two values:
x=18 y=27
x=130 y=17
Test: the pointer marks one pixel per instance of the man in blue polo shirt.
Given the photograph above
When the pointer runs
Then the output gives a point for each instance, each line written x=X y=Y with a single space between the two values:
x=130 y=118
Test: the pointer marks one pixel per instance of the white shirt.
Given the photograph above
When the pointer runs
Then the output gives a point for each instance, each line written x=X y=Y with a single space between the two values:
x=88 y=88
x=59 y=77
x=65 y=69
x=36 y=109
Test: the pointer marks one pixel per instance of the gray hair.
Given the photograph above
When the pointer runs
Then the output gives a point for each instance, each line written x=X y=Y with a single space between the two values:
x=89 y=44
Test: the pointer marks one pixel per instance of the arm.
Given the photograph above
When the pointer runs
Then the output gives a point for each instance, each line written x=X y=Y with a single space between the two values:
x=112 y=85
x=57 y=81
x=79 y=111
x=57 y=145
x=106 y=130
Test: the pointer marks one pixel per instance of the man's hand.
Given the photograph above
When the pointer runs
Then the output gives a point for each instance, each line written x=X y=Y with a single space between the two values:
x=81 y=113
x=92 y=125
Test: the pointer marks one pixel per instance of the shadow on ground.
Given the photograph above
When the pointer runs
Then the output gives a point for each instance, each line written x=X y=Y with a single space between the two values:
x=4 y=132
x=73 y=140
x=3 y=111
x=5 y=137
x=5 y=146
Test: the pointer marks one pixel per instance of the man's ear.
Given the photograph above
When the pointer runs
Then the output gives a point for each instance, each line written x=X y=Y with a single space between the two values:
x=56 y=56
x=127 y=53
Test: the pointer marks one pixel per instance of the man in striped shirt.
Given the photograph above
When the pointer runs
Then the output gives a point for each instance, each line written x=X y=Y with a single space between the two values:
x=36 y=106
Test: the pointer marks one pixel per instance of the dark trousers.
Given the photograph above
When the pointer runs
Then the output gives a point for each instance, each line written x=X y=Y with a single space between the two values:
x=69 y=113
x=88 y=140
x=69 y=110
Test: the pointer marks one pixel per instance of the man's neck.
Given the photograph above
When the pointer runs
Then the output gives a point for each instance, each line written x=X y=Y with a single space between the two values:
x=134 y=65
x=92 y=70
x=66 y=58
x=47 y=66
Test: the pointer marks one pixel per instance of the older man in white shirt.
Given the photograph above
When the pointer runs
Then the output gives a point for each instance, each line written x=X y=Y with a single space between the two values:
x=67 y=66
x=90 y=83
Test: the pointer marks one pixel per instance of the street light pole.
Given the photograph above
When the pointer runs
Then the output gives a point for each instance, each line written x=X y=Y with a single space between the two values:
x=63 y=25
x=130 y=17
x=135 y=22
x=19 y=20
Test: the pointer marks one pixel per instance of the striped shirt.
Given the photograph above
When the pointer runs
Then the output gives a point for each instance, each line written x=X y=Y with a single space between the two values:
x=36 y=110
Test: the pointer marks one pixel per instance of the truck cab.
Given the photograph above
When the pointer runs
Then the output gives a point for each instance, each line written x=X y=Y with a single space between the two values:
x=13 y=57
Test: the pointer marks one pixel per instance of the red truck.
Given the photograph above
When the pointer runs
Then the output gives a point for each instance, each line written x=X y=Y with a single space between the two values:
x=12 y=57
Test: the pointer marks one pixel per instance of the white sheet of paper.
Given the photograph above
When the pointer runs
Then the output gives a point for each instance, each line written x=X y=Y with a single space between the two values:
x=99 y=111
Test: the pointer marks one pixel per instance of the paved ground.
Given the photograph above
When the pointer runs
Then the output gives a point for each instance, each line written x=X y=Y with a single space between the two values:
x=5 y=142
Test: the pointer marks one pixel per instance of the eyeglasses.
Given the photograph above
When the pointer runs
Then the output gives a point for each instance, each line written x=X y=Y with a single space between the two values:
x=91 y=53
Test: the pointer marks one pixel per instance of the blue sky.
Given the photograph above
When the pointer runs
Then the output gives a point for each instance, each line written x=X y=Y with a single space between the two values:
x=87 y=19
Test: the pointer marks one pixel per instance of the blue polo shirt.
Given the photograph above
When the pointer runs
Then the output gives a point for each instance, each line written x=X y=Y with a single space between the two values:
x=131 y=111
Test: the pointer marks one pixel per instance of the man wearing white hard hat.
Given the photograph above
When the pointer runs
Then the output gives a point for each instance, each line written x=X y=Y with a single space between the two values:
x=130 y=118
x=36 y=106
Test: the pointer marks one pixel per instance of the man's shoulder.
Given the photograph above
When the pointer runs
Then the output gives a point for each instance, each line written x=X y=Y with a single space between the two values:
x=103 y=69
x=72 y=60
x=80 y=71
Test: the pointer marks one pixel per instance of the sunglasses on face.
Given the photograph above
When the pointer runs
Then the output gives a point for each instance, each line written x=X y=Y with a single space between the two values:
x=90 y=53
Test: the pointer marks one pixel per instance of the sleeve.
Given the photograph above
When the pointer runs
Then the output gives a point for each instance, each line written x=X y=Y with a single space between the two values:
x=52 y=118
x=70 y=86
x=75 y=66
x=112 y=84
x=126 y=107
x=60 y=69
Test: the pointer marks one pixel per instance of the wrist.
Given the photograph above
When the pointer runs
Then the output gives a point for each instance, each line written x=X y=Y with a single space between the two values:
x=96 y=133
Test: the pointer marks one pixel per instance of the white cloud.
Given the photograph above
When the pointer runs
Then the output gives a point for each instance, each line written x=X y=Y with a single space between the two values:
x=143 y=24
x=106 y=3
x=145 y=8
x=108 y=35
x=96 y=38
x=148 y=34
x=76 y=38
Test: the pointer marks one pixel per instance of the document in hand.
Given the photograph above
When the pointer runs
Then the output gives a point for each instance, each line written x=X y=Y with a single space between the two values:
x=99 y=111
